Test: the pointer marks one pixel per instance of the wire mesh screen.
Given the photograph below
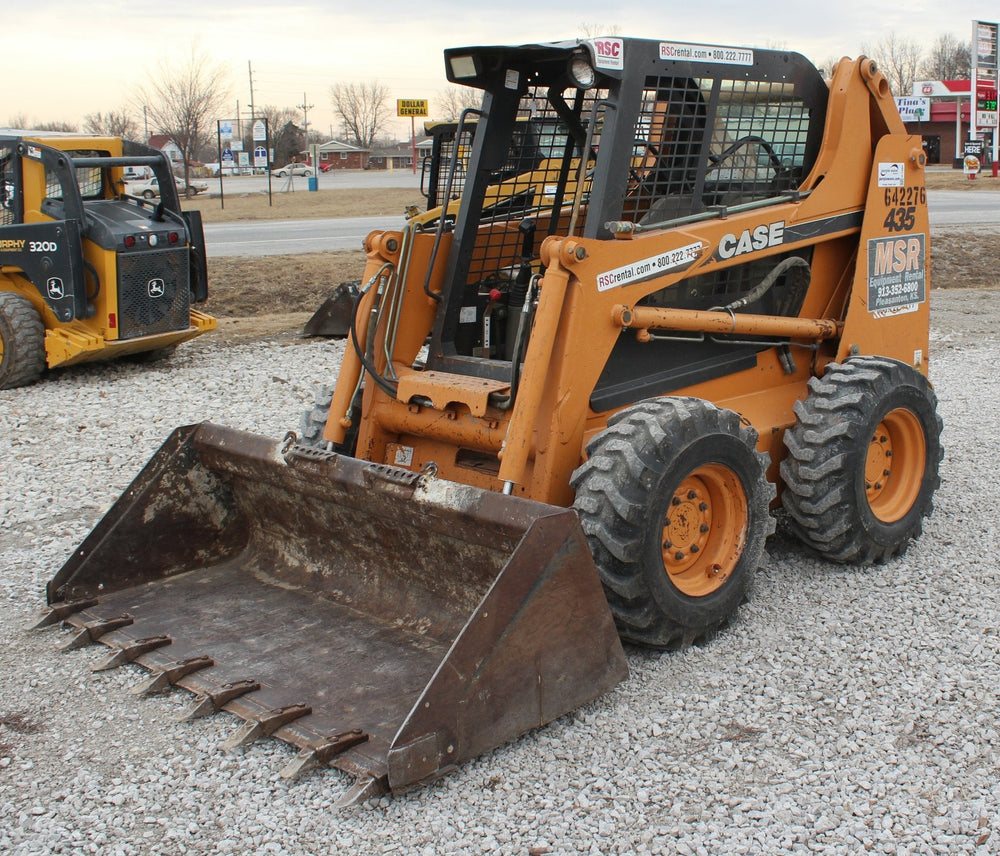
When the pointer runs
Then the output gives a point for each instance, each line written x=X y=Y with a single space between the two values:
x=8 y=187
x=88 y=179
x=701 y=143
x=539 y=179
x=453 y=167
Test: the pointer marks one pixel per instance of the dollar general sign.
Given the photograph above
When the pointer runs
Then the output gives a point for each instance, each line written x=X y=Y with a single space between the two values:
x=411 y=107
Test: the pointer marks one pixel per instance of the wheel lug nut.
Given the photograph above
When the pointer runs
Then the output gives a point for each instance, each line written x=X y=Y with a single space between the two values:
x=675 y=501
x=667 y=545
x=691 y=494
x=703 y=527
x=703 y=506
x=678 y=555
x=694 y=548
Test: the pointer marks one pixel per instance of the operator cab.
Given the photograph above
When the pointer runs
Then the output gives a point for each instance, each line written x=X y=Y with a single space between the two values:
x=574 y=135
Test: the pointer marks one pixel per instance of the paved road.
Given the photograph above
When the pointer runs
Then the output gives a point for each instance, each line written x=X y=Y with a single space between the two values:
x=235 y=185
x=947 y=208
x=964 y=208
x=275 y=237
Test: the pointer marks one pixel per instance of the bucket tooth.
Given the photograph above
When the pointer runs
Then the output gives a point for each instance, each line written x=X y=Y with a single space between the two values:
x=59 y=612
x=361 y=790
x=440 y=619
x=266 y=724
x=92 y=631
x=210 y=702
x=131 y=651
x=171 y=674
x=322 y=753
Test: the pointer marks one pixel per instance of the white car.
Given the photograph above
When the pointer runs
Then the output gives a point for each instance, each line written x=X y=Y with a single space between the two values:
x=195 y=186
x=293 y=169
x=147 y=188
x=150 y=188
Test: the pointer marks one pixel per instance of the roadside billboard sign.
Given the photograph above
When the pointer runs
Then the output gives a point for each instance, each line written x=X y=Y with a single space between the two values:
x=411 y=107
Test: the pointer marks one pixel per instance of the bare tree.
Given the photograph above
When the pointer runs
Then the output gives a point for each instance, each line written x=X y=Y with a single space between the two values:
x=363 y=109
x=898 y=59
x=277 y=118
x=828 y=64
x=288 y=140
x=948 y=59
x=183 y=100
x=23 y=123
x=592 y=31
x=455 y=99
x=61 y=127
x=114 y=123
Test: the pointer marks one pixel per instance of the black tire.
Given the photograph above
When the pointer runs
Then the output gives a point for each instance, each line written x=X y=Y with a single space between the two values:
x=22 y=341
x=863 y=460
x=673 y=578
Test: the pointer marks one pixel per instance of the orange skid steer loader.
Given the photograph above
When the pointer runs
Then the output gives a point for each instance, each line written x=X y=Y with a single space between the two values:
x=568 y=409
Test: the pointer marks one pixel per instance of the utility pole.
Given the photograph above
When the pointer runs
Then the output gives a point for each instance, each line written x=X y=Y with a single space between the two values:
x=305 y=108
x=250 y=71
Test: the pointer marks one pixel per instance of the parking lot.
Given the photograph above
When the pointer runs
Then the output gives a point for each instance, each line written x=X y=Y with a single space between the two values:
x=239 y=184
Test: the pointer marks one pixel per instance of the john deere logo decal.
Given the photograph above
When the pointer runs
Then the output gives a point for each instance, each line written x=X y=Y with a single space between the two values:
x=54 y=288
x=155 y=288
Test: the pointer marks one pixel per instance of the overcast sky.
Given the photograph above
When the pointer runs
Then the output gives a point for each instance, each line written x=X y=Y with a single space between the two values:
x=63 y=60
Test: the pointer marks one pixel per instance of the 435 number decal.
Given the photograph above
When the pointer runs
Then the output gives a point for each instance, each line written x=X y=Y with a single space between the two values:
x=901 y=219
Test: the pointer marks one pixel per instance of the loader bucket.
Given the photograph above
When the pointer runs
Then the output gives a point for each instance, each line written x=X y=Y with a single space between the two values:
x=333 y=318
x=385 y=623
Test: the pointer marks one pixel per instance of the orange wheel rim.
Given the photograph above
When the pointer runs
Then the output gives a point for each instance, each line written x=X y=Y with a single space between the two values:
x=705 y=530
x=895 y=466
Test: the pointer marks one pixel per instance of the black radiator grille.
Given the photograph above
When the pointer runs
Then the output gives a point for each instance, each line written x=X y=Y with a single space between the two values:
x=154 y=294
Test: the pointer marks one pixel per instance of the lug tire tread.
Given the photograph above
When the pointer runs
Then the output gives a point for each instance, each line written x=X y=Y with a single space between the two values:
x=826 y=448
x=23 y=334
x=614 y=489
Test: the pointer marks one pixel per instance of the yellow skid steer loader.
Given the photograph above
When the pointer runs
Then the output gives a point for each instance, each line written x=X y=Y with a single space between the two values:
x=89 y=270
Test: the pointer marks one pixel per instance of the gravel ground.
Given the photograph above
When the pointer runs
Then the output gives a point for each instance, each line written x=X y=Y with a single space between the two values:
x=846 y=711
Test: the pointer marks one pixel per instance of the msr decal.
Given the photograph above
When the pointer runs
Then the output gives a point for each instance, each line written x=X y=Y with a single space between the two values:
x=751 y=240
x=897 y=275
